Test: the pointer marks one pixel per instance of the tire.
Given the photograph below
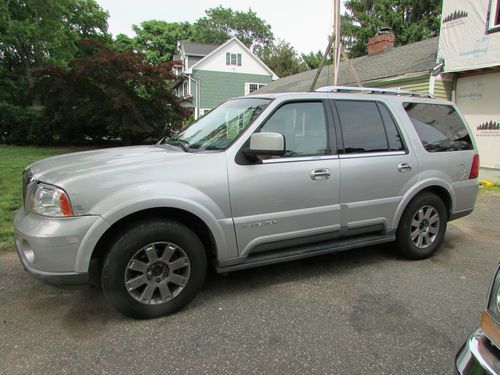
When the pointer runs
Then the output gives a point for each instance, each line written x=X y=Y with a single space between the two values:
x=420 y=231
x=153 y=269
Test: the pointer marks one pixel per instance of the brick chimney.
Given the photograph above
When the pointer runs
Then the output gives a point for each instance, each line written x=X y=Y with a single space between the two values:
x=384 y=39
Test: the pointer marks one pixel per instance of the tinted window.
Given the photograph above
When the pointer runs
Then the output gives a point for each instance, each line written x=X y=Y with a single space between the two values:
x=439 y=127
x=393 y=136
x=362 y=126
x=304 y=128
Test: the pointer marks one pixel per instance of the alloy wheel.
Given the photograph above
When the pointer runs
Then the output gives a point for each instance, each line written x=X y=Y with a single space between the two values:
x=157 y=273
x=424 y=227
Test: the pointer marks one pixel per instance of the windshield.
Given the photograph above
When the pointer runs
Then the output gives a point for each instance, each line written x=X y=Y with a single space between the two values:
x=218 y=128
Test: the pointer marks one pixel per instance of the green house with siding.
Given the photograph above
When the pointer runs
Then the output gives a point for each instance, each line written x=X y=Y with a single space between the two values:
x=408 y=67
x=214 y=73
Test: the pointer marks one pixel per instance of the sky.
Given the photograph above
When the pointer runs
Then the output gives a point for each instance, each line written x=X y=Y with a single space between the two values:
x=304 y=24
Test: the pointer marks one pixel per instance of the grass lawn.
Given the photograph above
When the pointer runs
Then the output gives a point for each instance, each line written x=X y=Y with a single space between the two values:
x=12 y=162
x=495 y=188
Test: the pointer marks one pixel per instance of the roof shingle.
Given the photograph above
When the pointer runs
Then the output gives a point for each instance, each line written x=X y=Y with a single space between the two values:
x=411 y=58
x=197 y=49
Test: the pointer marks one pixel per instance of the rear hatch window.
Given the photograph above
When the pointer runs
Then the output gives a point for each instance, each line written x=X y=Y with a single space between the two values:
x=439 y=127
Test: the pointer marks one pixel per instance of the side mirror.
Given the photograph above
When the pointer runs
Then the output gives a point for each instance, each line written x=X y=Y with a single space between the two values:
x=266 y=144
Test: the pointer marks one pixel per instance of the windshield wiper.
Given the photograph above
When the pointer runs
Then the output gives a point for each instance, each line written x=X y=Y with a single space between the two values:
x=182 y=143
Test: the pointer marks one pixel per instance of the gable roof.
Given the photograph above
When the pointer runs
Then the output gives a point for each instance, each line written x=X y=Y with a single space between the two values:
x=233 y=39
x=417 y=57
x=197 y=49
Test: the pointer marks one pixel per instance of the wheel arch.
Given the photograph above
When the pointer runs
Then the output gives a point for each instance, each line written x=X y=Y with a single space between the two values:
x=187 y=218
x=440 y=188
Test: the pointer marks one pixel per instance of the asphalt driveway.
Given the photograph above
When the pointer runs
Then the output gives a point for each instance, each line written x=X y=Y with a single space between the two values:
x=363 y=311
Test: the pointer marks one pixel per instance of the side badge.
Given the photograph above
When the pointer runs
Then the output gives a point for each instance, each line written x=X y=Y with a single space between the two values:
x=259 y=224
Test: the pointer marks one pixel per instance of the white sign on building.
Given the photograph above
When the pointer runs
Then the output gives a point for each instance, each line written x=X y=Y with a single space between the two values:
x=469 y=44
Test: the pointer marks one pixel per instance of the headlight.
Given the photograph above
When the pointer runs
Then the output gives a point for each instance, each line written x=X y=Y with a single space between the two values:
x=50 y=200
x=490 y=320
x=494 y=300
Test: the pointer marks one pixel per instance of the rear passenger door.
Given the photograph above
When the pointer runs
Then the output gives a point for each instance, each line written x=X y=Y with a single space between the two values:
x=377 y=167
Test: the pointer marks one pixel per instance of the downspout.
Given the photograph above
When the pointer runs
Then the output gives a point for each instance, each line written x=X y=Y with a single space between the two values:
x=197 y=98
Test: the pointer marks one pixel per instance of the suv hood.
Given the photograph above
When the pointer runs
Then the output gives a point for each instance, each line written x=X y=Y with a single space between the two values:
x=60 y=170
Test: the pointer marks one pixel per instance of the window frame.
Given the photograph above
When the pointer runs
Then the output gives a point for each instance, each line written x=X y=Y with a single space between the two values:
x=237 y=59
x=330 y=136
x=339 y=130
x=492 y=17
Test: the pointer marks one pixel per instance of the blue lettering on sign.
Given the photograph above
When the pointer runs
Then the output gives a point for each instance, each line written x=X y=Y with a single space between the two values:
x=472 y=96
x=481 y=48
x=475 y=52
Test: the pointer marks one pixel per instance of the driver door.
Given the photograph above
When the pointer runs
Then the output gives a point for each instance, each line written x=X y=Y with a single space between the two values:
x=292 y=199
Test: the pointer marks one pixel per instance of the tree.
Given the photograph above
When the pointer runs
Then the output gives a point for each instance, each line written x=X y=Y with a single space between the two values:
x=34 y=34
x=110 y=93
x=282 y=59
x=124 y=43
x=313 y=60
x=221 y=23
x=411 y=21
x=157 y=40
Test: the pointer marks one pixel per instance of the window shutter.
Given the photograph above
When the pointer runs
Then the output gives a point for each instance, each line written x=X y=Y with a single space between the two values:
x=228 y=58
x=239 y=59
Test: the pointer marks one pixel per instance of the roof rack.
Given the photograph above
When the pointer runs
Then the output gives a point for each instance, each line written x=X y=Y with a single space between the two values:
x=372 y=90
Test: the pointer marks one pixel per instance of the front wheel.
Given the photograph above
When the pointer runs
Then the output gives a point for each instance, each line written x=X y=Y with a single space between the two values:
x=153 y=269
x=422 y=227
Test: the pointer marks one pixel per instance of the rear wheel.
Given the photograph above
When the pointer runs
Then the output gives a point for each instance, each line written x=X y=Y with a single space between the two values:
x=422 y=227
x=155 y=268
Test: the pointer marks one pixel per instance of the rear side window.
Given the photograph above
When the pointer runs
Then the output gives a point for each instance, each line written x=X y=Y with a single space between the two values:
x=367 y=127
x=439 y=127
x=393 y=137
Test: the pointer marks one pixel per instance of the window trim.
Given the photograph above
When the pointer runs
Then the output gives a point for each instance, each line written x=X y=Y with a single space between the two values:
x=341 y=146
x=237 y=59
x=295 y=159
x=493 y=11
x=241 y=159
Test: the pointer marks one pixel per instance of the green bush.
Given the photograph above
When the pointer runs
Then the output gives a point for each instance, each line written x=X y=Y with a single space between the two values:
x=25 y=126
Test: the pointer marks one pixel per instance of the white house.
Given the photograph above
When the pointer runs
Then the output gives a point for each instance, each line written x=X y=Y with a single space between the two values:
x=217 y=73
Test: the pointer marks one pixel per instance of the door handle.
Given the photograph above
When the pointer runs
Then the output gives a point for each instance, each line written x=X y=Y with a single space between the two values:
x=320 y=174
x=404 y=167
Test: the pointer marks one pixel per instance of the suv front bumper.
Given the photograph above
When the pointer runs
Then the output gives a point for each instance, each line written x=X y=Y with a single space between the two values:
x=478 y=356
x=48 y=247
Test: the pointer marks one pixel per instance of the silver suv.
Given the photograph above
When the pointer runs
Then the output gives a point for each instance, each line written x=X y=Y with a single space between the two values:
x=258 y=180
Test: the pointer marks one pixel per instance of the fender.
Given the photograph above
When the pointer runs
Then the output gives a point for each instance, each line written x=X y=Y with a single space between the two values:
x=417 y=188
x=132 y=199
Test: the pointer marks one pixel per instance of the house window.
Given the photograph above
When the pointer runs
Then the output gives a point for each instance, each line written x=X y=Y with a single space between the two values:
x=233 y=58
x=251 y=87
x=494 y=16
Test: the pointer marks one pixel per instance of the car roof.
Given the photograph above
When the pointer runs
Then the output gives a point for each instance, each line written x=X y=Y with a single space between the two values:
x=352 y=96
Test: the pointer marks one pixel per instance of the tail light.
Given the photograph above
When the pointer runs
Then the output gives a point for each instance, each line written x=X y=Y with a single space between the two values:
x=474 y=170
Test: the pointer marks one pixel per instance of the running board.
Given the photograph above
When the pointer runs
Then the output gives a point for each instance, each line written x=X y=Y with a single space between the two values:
x=306 y=251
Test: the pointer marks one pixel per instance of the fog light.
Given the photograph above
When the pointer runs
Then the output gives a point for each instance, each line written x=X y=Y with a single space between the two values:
x=28 y=252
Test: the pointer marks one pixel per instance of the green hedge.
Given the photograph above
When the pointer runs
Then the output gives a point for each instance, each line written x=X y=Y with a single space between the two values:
x=25 y=126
